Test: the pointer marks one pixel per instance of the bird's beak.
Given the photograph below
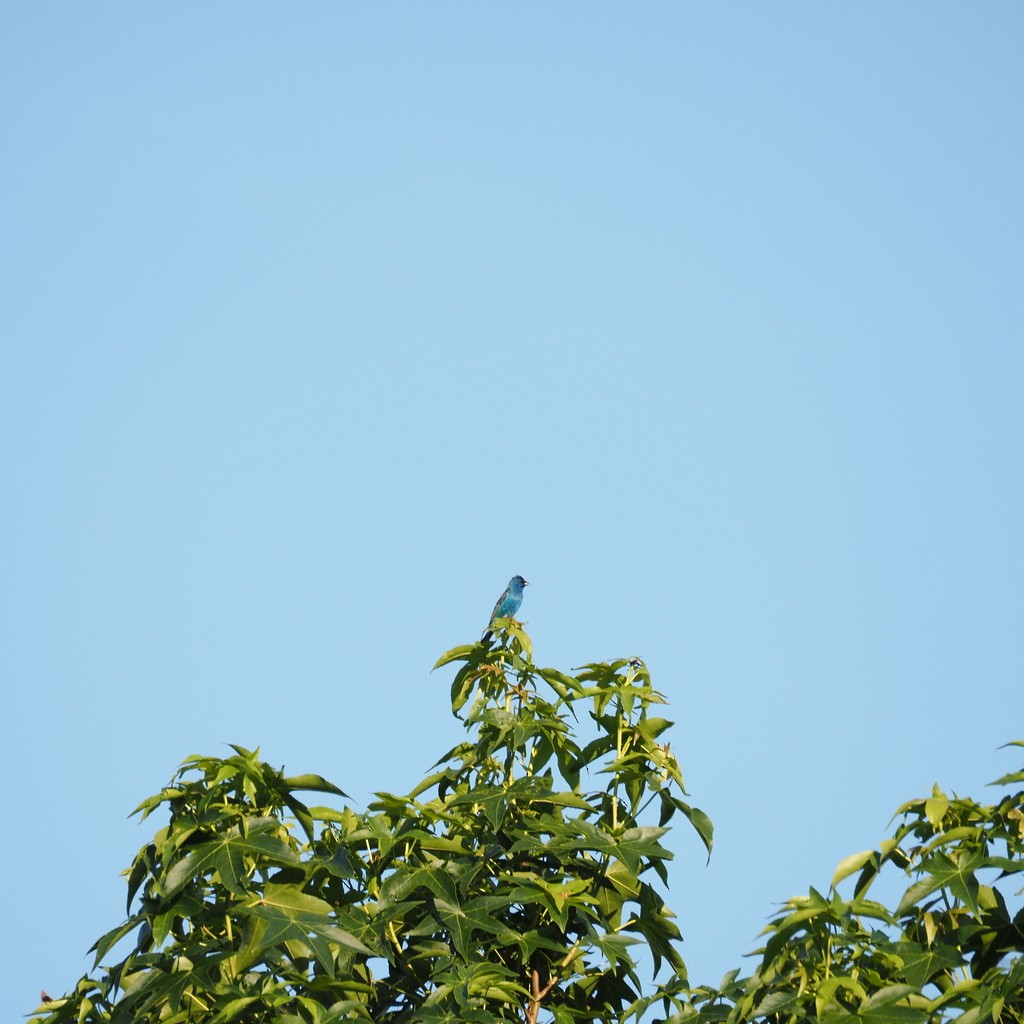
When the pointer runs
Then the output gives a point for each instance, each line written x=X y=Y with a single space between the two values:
x=526 y=583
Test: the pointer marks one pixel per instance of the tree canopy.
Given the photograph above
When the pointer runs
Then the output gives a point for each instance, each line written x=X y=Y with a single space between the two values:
x=518 y=880
x=949 y=950
x=513 y=880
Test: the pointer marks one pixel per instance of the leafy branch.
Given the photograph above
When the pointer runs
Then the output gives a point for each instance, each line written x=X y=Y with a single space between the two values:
x=950 y=949
x=514 y=879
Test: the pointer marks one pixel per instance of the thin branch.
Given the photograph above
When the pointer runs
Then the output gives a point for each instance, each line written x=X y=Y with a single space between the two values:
x=537 y=994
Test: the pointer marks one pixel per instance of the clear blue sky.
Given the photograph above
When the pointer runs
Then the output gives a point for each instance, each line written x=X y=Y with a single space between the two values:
x=321 y=321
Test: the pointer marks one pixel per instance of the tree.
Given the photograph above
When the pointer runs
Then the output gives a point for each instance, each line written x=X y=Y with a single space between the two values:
x=517 y=878
x=950 y=950
x=514 y=879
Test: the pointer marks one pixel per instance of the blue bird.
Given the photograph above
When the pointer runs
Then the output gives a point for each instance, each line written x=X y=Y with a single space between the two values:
x=508 y=604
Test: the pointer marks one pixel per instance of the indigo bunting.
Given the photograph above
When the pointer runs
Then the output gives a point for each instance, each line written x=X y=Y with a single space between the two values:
x=508 y=604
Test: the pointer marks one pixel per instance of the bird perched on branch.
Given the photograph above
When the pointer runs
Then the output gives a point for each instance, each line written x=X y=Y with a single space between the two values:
x=508 y=604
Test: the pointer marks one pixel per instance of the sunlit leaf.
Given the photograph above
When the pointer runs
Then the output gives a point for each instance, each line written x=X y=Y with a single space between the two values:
x=848 y=865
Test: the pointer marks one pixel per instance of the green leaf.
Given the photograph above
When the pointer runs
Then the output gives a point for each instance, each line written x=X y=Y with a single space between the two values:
x=775 y=1001
x=637 y=843
x=136 y=875
x=935 y=809
x=944 y=872
x=892 y=1015
x=702 y=825
x=287 y=915
x=313 y=783
x=459 y=653
x=233 y=1009
x=104 y=944
x=829 y=989
x=462 y=686
x=922 y=965
x=459 y=927
x=854 y=862
x=888 y=995
x=227 y=855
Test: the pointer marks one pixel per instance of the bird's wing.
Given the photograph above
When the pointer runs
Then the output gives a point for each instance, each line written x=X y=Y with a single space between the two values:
x=501 y=600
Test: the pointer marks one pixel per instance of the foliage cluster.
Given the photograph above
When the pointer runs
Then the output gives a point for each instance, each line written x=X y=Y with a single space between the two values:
x=950 y=950
x=513 y=880
x=517 y=878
